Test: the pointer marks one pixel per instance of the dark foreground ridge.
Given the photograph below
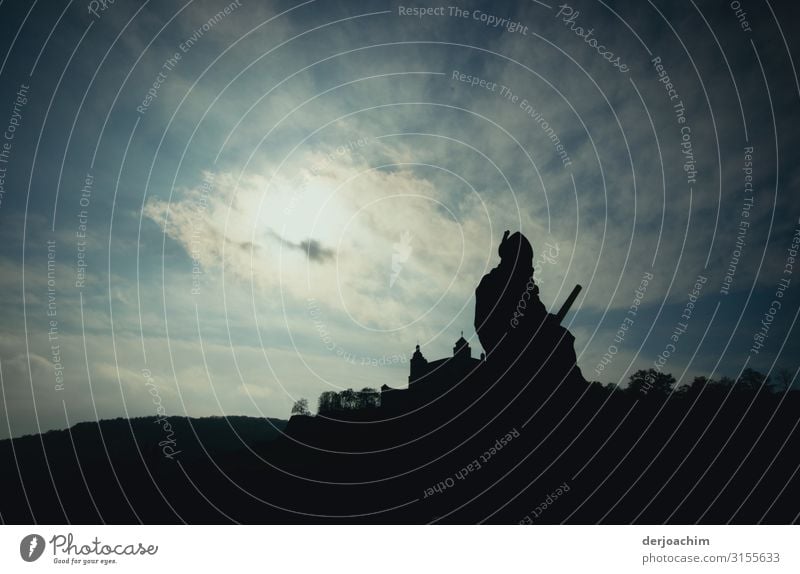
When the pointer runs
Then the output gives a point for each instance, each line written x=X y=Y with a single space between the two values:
x=514 y=436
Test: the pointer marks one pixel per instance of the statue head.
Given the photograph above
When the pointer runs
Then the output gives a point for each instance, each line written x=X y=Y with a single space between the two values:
x=516 y=250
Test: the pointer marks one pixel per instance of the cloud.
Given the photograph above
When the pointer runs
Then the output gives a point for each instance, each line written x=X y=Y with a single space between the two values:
x=315 y=251
x=311 y=248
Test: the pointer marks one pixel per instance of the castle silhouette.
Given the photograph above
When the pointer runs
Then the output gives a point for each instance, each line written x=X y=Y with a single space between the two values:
x=429 y=379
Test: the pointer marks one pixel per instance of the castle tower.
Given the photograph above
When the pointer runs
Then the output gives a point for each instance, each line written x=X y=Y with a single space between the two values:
x=462 y=350
x=419 y=366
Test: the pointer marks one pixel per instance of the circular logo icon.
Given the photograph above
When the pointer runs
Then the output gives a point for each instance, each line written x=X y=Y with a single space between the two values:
x=31 y=547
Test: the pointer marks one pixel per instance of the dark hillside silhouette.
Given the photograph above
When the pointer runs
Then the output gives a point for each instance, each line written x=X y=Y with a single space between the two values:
x=513 y=436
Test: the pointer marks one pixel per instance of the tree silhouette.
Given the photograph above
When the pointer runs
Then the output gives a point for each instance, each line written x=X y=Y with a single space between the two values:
x=651 y=383
x=751 y=381
x=329 y=401
x=369 y=398
x=301 y=407
x=697 y=386
x=349 y=399
x=724 y=383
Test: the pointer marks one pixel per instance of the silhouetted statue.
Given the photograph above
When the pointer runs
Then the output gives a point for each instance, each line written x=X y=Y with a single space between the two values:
x=510 y=319
x=499 y=296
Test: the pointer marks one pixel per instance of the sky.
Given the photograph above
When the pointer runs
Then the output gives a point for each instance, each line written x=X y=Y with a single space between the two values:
x=222 y=207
